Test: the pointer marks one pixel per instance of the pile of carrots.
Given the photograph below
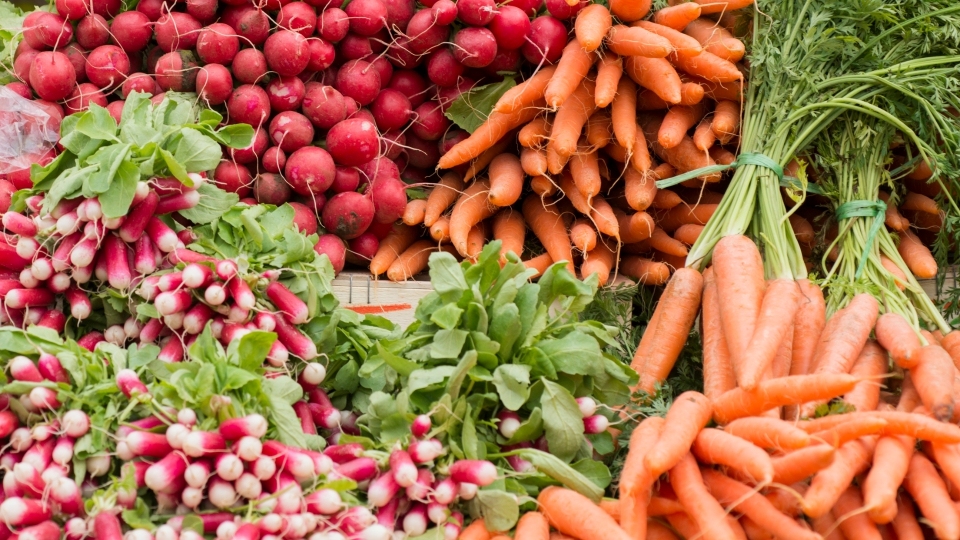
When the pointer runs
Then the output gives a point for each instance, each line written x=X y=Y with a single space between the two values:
x=573 y=152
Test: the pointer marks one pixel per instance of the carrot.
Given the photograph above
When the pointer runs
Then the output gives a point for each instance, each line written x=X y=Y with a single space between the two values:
x=838 y=349
x=685 y=156
x=951 y=343
x=677 y=122
x=527 y=93
x=657 y=74
x=569 y=121
x=709 y=7
x=891 y=458
x=609 y=73
x=894 y=271
x=707 y=66
x=917 y=256
x=396 y=242
x=636 y=479
x=657 y=531
x=604 y=218
x=661 y=343
x=738 y=403
x=535 y=133
x=920 y=203
x=540 y=263
x=440 y=231
x=441 y=197
x=688 y=233
x=739 y=270
x=721 y=155
x=777 y=311
x=543 y=186
x=506 y=180
x=892 y=217
x=830 y=482
x=548 y=226
x=801 y=464
x=718 y=374
x=915 y=425
x=726 y=120
x=486 y=157
x=704 y=137
x=646 y=272
x=573 y=194
x=869 y=367
x=697 y=501
x=574 y=65
x=412 y=261
x=592 y=25
x=683 y=44
x=501 y=537
x=634 y=227
x=808 y=324
x=623 y=113
x=640 y=155
x=754 y=531
x=611 y=507
x=640 y=189
x=687 y=416
x=661 y=506
x=947 y=457
x=922 y=171
x=786 y=500
x=664 y=243
x=560 y=536
x=630 y=10
x=666 y=199
x=471 y=208
x=688 y=528
x=905 y=525
x=715 y=39
x=585 y=170
x=731 y=91
x=599 y=130
x=497 y=125
x=413 y=214
x=582 y=235
x=600 y=261
x=509 y=228
x=533 y=161
x=930 y=493
x=721 y=448
x=825 y=526
x=691 y=94
x=636 y=41
x=852 y=429
x=768 y=433
x=745 y=500
x=853 y=522
x=678 y=16
x=571 y=513
x=475 y=531
x=933 y=379
x=532 y=526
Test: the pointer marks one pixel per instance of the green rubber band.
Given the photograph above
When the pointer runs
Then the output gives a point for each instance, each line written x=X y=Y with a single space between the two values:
x=747 y=158
x=862 y=208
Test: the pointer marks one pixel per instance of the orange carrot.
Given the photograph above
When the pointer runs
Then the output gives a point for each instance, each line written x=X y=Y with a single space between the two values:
x=854 y=523
x=917 y=256
x=678 y=16
x=726 y=120
x=600 y=261
x=599 y=130
x=738 y=403
x=685 y=156
x=718 y=374
x=525 y=94
x=808 y=324
x=412 y=261
x=574 y=64
x=636 y=41
x=611 y=507
x=640 y=156
x=623 y=113
x=716 y=40
x=488 y=134
x=838 y=350
x=691 y=94
x=721 y=155
x=634 y=228
x=930 y=493
x=801 y=464
x=709 y=7
x=661 y=506
x=548 y=226
x=396 y=242
x=698 y=502
x=585 y=170
x=533 y=161
x=661 y=344
x=569 y=121
x=688 y=233
x=664 y=243
x=933 y=379
x=683 y=44
x=609 y=73
x=571 y=513
x=445 y=193
x=891 y=459
x=768 y=433
x=535 y=133
x=869 y=367
x=532 y=526
x=440 y=231
x=509 y=228
x=646 y=272
x=485 y=158
x=704 y=137
x=915 y=425
x=592 y=24
x=745 y=500
x=572 y=192
x=894 y=271
x=640 y=189
x=707 y=66
x=732 y=91
x=472 y=207
x=543 y=186
x=475 y=531
x=826 y=526
x=688 y=415
x=739 y=270
x=582 y=235
x=951 y=343
x=688 y=528
x=854 y=428
x=413 y=214
x=828 y=484
x=506 y=180
x=919 y=203
x=540 y=263
x=677 y=122
x=657 y=74
x=905 y=525
x=720 y=448
x=636 y=479
x=777 y=311
x=785 y=501
x=754 y=531
x=604 y=218
x=658 y=531
x=630 y=10
x=666 y=199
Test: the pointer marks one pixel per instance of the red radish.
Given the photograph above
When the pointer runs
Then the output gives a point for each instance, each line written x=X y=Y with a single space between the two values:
x=204 y=11
x=595 y=424
x=115 y=108
x=251 y=153
x=44 y=398
x=175 y=203
x=562 y=9
x=510 y=27
x=246 y=531
x=479 y=472
x=107 y=526
x=429 y=122
x=322 y=54
x=175 y=436
x=424 y=32
x=509 y=423
x=285 y=93
x=66 y=493
x=264 y=467
x=18 y=512
x=234 y=177
x=70 y=9
x=298 y=17
x=197 y=473
x=75 y=423
x=170 y=302
x=115 y=251
x=437 y=512
x=129 y=383
x=18 y=224
x=42 y=269
x=353 y=142
x=333 y=247
x=253 y=425
x=468 y=491
x=177 y=31
x=131 y=31
x=47 y=31
x=382 y=490
x=294 y=309
x=424 y=451
x=324 y=502
x=217 y=44
x=355 y=47
x=98 y=465
x=475 y=47
x=196 y=318
x=445 y=491
x=241 y=294
x=477 y=12
x=214 y=83
x=333 y=24
x=443 y=68
x=588 y=407
x=310 y=170
x=446 y=12
x=359 y=469
x=23 y=298
x=249 y=66
x=274 y=160
x=530 y=7
x=170 y=282
x=52 y=75
x=286 y=52
x=23 y=369
x=358 y=80
x=47 y=530
x=8 y=423
x=415 y=522
x=248 y=448
x=202 y=443
x=265 y=321
x=153 y=9
x=63 y=451
x=323 y=105
x=147 y=444
x=546 y=40
x=304 y=218
x=161 y=235
x=176 y=71
x=52 y=370
x=403 y=469
x=291 y=131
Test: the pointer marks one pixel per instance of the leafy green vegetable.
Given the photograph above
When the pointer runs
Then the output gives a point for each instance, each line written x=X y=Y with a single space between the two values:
x=11 y=31
x=472 y=107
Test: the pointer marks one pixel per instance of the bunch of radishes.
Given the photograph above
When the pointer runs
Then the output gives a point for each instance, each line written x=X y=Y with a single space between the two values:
x=508 y=422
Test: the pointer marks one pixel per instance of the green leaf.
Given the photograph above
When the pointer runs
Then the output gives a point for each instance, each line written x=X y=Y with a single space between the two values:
x=423 y=378
x=464 y=366
x=574 y=354
x=446 y=317
x=174 y=166
x=446 y=276
x=399 y=364
x=347 y=379
x=197 y=152
x=472 y=108
x=471 y=444
x=108 y=159
x=284 y=420
x=505 y=328
x=555 y=468
x=499 y=509
x=562 y=420
x=602 y=442
x=513 y=384
x=237 y=378
x=192 y=522
x=448 y=343
x=115 y=202
x=234 y=135
x=529 y=429
x=214 y=202
x=596 y=471
x=283 y=389
x=97 y=123
x=254 y=348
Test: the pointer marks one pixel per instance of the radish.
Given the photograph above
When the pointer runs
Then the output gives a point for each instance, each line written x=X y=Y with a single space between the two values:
x=296 y=463
x=298 y=17
x=286 y=52
x=131 y=31
x=221 y=493
x=415 y=522
x=595 y=424
x=167 y=472
x=67 y=224
x=285 y=93
x=310 y=170
x=129 y=383
x=476 y=12
x=424 y=451
x=248 y=486
x=70 y=9
x=174 y=301
x=322 y=54
x=176 y=71
x=52 y=75
x=75 y=423
x=323 y=105
x=446 y=12
x=424 y=32
x=214 y=83
x=293 y=308
x=227 y=530
x=161 y=235
x=480 y=472
x=115 y=251
x=63 y=451
x=382 y=490
x=66 y=493
x=176 y=203
x=191 y=497
x=272 y=523
x=509 y=423
x=314 y=373
x=228 y=466
x=8 y=423
x=75 y=528
x=166 y=532
x=29 y=480
x=18 y=224
x=177 y=31
x=196 y=318
x=106 y=526
x=246 y=531
x=215 y=294
x=196 y=275
x=23 y=369
x=50 y=368
x=359 y=469
x=23 y=298
x=18 y=512
x=357 y=79
x=403 y=469
x=107 y=66
x=47 y=530
x=291 y=131
x=324 y=501
x=147 y=444
x=42 y=269
x=217 y=44
x=202 y=443
x=138 y=534
x=197 y=473
x=241 y=294
x=437 y=512
x=44 y=398
x=546 y=40
x=59 y=282
x=295 y=341
x=47 y=31
x=249 y=65
x=324 y=416
x=263 y=467
x=253 y=425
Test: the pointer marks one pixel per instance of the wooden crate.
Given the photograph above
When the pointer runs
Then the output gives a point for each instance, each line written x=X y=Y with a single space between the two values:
x=362 y=293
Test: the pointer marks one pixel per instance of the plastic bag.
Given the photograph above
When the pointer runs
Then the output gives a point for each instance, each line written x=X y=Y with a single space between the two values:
x=27 y=132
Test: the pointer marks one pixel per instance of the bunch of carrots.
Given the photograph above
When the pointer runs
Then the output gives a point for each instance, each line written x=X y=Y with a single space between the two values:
x=573 y=152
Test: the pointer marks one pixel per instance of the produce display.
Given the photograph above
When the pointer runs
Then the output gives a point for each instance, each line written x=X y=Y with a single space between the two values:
x=181 y=183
